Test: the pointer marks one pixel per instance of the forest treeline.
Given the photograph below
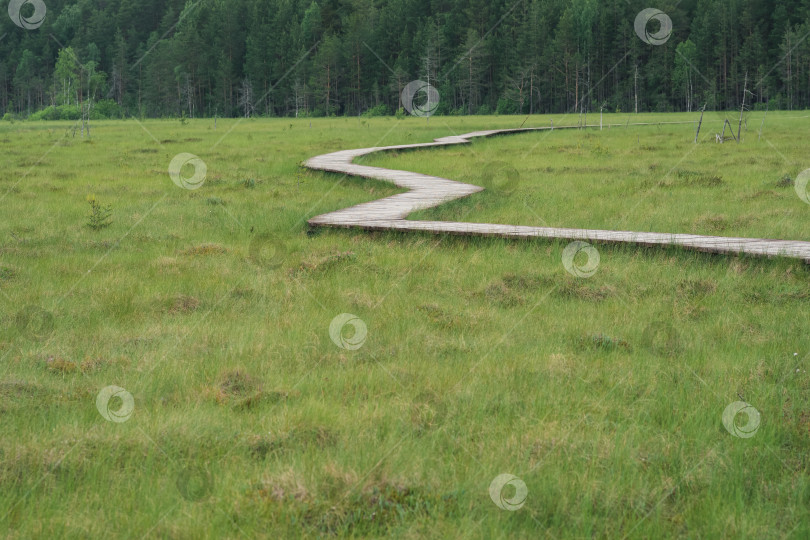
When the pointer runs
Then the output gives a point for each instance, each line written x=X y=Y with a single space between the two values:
x=153 y=58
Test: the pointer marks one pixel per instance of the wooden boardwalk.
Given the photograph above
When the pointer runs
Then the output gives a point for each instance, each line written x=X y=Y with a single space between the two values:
x=425 y=191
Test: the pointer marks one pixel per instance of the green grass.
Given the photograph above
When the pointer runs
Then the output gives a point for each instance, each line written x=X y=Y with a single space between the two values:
x=651 y=178
x=604 y=395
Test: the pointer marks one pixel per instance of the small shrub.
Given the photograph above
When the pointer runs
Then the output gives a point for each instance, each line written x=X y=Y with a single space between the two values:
x=100 y=215
x=379 y=110
x=61 y=112
x=106 y=109
x=45 y=114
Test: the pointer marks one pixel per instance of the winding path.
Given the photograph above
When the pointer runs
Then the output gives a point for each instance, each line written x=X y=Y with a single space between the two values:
x=425 y=191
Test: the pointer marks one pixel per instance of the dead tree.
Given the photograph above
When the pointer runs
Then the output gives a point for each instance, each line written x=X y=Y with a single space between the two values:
x=742 y=108
x=700 y=123
x=245 y=100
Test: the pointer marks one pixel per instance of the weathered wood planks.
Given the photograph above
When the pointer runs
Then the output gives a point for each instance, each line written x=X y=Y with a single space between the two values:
x=426 y=191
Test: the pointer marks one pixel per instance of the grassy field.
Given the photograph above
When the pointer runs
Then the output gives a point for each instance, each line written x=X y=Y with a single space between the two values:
x=212 y=308
x=651 y=178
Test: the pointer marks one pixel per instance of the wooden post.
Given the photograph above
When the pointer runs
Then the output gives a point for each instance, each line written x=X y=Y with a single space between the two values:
x=700 y=123
x=727 y=123
x=524 y=122
x=742 y=108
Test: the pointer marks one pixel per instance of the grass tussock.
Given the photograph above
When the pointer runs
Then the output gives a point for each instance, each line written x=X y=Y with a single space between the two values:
x=206 y=249
x=239 y=390
x=481 y=356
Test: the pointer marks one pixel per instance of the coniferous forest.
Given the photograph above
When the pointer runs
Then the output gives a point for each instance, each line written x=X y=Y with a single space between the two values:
x=155 y=58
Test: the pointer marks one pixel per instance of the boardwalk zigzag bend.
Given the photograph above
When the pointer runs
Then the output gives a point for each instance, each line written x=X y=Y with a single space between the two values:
x=425 y=191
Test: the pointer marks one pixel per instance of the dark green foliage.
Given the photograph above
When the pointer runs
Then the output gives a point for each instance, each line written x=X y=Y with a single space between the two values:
x=308 y=58
x=100 y=215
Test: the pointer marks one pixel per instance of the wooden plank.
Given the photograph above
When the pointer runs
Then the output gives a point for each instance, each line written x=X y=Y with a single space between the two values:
x=425 y=191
